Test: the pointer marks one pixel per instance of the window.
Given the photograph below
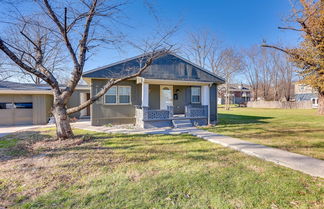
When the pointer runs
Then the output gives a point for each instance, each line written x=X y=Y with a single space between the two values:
x=111 y=96
x=118 y=95
x=195 y=94
x=314 y=101
x=124 y=94
x=24 y=105
x=17 y=105
x=6 y=105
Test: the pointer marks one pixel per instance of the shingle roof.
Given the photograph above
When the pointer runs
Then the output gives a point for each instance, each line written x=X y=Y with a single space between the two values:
x=236 y=87
x=167 y=67
x=9 y=85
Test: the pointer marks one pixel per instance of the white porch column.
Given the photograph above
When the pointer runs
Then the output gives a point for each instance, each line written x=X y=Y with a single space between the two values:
x=205 y=99
x=83 y=98
x=145 y=94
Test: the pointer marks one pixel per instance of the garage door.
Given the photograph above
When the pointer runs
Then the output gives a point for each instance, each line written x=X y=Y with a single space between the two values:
x=16 y=109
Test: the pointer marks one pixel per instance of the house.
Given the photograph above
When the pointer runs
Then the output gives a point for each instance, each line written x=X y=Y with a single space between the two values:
x=238 y=93
x=173 y=89
x=306 y=93
x=25 y=103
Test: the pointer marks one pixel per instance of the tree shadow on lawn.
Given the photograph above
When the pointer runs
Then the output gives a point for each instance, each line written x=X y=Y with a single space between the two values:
x=241 y=119
x=32 y=144
x=20 y=144
x=100 y=154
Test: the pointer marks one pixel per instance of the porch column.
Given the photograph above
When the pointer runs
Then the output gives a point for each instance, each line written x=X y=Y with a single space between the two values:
x=83 y=98
x=145 y=94
x=205 y=99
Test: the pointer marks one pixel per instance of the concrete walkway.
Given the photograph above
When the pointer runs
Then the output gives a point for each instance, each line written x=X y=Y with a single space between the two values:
x=305 y=164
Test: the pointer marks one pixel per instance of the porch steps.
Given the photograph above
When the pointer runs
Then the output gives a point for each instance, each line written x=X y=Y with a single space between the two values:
x=182 y=123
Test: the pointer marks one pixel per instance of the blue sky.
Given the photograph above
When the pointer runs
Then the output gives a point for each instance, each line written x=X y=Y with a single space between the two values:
x=238 y=23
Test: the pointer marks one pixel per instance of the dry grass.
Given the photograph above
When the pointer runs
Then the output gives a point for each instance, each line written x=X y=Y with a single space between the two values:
x=38 y=163
x=97 y=170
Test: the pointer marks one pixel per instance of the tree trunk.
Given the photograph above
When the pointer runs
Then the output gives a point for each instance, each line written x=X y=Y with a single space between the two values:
x=63 y=127
x=321 y=103
x=227 y=103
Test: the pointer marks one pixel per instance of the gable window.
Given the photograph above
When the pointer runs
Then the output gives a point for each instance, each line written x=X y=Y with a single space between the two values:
x=118 y=95
x=111 y=96
x=195 y=94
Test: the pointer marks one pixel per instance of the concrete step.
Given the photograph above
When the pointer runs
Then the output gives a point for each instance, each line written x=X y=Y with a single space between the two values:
x=182 y=121
x=185 y=123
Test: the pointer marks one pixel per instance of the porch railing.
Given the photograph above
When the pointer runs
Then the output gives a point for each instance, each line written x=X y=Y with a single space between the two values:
x=196 y=111
x=144 y=113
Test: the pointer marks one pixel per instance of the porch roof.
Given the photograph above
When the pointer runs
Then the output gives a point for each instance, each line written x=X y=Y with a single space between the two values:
x=167 y=67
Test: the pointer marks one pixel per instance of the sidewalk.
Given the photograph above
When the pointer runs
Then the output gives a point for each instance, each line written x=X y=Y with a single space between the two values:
x=305 y=164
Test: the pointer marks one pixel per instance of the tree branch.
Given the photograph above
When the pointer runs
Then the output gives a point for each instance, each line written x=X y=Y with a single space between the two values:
x=290 y=28
x=77 y=72
x=63 y=33
x=21 y=64
x=275 y=47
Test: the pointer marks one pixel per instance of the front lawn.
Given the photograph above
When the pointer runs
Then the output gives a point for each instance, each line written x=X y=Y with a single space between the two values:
x=299 y=131
x=98 y=170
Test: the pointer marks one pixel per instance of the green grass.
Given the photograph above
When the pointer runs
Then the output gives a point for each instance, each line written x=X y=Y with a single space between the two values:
x=8 y=143
x=299 y=131
x=98 y=170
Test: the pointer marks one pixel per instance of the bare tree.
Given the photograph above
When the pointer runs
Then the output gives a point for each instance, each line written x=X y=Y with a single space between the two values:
x=232 y=63
x=287 y=76
x=252 y=70
x=3 y=73
x=269 y=74
x=204 y=49
x=79 y=26
x=29 y=35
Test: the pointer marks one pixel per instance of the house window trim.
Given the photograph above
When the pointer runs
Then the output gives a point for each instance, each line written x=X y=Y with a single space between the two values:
x=117 y=96
x=192 y=102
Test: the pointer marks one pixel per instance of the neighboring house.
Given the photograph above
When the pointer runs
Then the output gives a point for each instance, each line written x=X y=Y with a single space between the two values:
x=306 y=93
x=25 y=103
x=239 y=93
x=172 y=89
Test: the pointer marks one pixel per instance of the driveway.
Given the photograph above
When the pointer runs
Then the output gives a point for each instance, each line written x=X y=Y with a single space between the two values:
x=6 y=130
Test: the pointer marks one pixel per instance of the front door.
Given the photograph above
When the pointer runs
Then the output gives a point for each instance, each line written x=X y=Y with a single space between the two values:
x=166 y=98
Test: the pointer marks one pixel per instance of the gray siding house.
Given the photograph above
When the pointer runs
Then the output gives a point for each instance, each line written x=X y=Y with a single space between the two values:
x=172 y=89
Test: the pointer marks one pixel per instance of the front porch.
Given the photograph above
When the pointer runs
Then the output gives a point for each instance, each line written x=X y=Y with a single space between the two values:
x=164 y=103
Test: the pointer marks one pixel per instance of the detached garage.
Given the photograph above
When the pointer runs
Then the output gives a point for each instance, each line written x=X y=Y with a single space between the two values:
x=22 y=104
x=24 y=109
